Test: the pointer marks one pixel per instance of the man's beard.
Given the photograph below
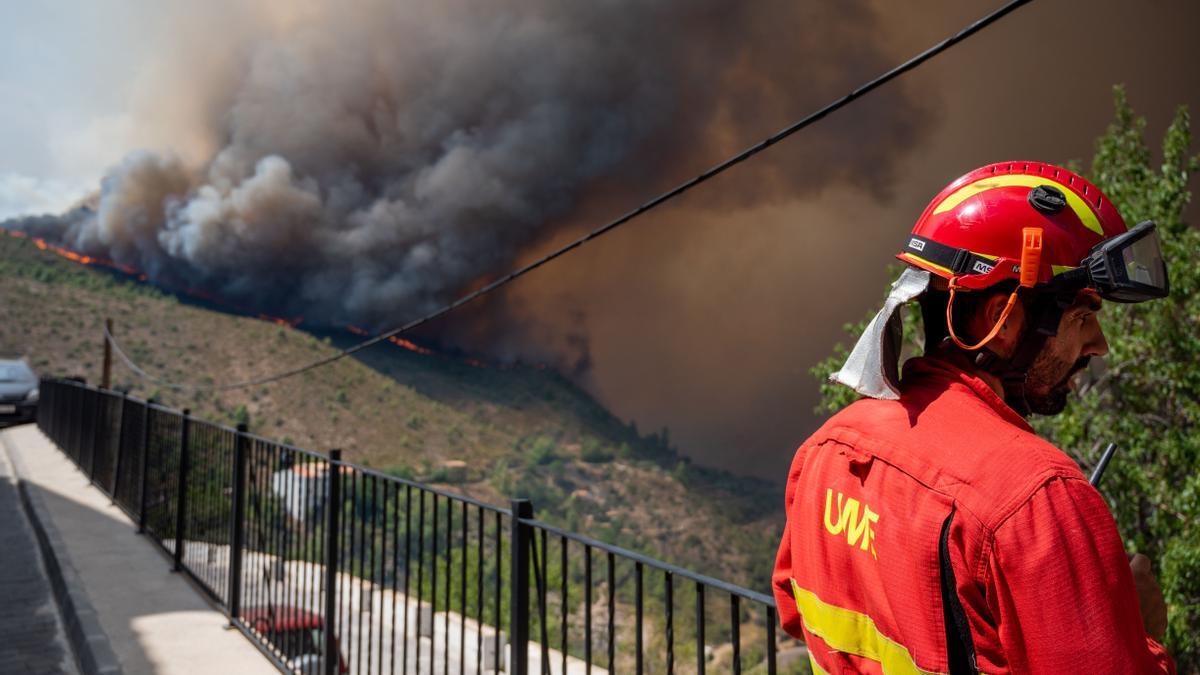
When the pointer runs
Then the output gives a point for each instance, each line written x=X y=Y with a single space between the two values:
x=1049 y=383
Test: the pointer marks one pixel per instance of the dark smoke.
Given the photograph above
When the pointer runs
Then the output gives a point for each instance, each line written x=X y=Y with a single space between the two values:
x=378 y=158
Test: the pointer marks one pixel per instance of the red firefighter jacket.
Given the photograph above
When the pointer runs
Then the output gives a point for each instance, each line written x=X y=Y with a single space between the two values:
x=1041 y=578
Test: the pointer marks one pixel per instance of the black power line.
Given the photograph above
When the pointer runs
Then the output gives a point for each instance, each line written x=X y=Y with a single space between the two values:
x=742 y=156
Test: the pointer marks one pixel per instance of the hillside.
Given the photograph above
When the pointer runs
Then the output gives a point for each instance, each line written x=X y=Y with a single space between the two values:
x=523 y=431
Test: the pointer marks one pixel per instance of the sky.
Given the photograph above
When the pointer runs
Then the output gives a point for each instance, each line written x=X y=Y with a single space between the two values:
x=703 y=318
x=77 y=92
x=48 y=99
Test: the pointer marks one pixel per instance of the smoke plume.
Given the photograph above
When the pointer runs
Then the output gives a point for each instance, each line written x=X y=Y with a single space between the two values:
x=372 y=160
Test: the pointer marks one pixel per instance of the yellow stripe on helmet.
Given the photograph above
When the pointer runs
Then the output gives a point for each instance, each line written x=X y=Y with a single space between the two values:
x=1081 y=208
x=921 y=262
x=917 y=260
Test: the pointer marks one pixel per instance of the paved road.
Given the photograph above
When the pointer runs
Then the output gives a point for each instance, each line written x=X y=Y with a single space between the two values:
x=155 y=621
x=159 y=625
x=31 y=637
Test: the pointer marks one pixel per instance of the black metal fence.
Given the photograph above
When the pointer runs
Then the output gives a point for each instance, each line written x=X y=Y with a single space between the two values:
x=412 y=579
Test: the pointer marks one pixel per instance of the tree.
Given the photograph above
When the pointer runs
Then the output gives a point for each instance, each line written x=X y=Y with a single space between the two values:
x=1148 y=398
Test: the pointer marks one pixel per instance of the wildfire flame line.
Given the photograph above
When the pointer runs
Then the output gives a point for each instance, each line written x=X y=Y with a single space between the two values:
x=279 y=321
x=400 y=342
x=78 y=257
x=294 y=322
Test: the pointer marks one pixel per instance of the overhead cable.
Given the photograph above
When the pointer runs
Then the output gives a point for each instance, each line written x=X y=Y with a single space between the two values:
x=742 y=156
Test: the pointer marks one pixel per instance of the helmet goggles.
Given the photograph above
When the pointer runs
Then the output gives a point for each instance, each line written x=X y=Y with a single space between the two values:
x=1126 y=268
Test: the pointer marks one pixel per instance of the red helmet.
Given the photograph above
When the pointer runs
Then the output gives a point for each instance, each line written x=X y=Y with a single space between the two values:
x=1039 y=225
x=1024 y=221
x=977 y=229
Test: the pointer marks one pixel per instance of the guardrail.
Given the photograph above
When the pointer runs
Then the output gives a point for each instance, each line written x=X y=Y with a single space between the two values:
x=411 y=578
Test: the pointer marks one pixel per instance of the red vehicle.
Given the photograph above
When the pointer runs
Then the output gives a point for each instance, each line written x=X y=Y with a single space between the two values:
x=297 y=636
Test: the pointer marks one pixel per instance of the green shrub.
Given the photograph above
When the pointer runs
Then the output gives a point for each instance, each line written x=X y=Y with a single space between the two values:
x=401 y=471
x=595 y=451
x=542 y=451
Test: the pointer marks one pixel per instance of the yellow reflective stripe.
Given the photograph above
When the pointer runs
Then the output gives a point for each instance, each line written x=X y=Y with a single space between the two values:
x=853 y=633
x=1081 y=208
x=1055 y=270
x=923 y=261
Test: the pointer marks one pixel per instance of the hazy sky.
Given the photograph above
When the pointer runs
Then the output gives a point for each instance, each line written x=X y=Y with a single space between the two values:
x=77 y=93
x=48 y=98
x=706 y=317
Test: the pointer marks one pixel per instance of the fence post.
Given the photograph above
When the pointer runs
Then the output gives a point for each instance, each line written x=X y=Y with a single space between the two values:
x=67 y=425
x=59 y=411
x=239 y=513
x=54 y=412
x=40 y=416
x=145 y=450
x=181 y=503
x=57 y=408
x=72 y=426
x=99 y=425
x=333 y=504
x=120 y=446
x=106 y=368
x=77 y=432
x=81 y=413
x=518 y=617
x=92 y=406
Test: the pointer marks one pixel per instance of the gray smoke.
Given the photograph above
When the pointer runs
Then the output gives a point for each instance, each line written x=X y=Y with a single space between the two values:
x=376 y=158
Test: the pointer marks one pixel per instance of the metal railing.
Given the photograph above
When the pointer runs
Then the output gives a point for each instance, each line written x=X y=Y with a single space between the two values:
x=411 y=578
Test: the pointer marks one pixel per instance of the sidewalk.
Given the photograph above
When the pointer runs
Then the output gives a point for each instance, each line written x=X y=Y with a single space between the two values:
x=32 y=639
x=155 y=621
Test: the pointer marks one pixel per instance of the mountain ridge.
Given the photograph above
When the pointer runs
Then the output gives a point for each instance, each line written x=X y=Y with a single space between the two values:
x=521 y=431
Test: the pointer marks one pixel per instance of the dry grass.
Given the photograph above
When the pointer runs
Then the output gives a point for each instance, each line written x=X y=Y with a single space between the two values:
x=522 y=431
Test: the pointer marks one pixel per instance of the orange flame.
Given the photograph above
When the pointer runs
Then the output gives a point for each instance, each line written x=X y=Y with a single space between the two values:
x=278 y=321
x=72 y=255
x=410 y=345
x=209 y=297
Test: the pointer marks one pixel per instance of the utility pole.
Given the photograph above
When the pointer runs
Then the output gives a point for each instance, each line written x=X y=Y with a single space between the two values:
x=106 y=375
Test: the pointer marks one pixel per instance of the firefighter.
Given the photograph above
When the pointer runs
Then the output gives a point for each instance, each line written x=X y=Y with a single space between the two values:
x=929 y=529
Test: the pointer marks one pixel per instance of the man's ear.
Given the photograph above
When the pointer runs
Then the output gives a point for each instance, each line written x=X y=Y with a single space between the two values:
x=990 y=311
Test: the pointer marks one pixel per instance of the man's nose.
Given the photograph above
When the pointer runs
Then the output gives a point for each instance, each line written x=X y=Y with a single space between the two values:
x=1095 y=343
